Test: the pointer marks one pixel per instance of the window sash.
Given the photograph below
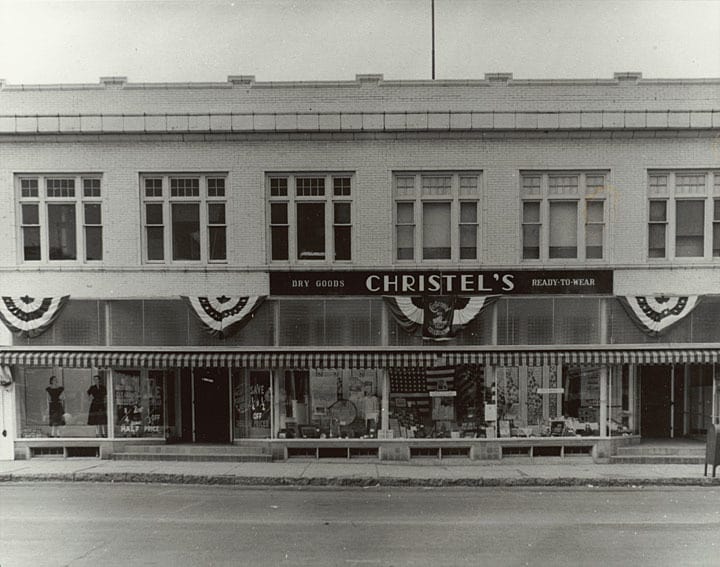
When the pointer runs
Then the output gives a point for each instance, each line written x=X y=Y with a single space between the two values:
x=436 y=233
x=30 y=226
x=217 y=230
x=468 y=230
x=92 y=217
x=551 y=225
x=689 y=228
x=188 y=222
x=310 y=217
x=62 y=231
x=562 y=221
x=51 y=222
x=436 y=215
x=185 y=227
x=684 y=205
x=310 y=234
x=342 y=229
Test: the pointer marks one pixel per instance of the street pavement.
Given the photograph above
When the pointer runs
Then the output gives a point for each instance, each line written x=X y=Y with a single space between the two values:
x=357 y=473
x=85 y=524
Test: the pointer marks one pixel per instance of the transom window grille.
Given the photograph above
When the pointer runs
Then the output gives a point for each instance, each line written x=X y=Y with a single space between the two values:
x=307 y=222
x=564 y=215
x=310 y=186
x=184 y=187
x=91 y=187
x=683 y=214
x=184 y=218
x=60 y=187
x=29 y=187
x=60 y=224
x=564 y=184
x=436 y=216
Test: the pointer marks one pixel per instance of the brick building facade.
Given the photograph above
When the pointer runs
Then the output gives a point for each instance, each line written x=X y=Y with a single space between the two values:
x=538 y=213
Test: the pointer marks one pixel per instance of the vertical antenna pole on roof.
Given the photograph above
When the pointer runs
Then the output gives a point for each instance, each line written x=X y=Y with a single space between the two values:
x=432 y=18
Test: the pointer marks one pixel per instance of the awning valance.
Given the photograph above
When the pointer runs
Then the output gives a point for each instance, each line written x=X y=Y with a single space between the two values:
x=381 y=358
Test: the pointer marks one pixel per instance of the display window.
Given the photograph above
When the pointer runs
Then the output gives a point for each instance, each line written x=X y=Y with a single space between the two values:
x=252 y=404
x=139 y=403
x=439 y=402
x=62 y=402
x=700 y=397
x=326 y=404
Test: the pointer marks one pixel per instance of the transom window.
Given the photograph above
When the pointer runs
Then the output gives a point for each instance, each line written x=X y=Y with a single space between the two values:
x=60 y=217
x=683 y=214
x=184 y=217
x=436 y=215
x=563 y=215
x=310 y=217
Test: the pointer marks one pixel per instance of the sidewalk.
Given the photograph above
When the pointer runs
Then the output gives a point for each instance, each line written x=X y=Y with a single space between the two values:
x=360 y=474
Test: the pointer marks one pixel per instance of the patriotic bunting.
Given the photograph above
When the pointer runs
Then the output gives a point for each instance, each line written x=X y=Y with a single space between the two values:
x=223 y=316
x=655 y=315
x=440 y=317
x=30 y=317
x=5 y=376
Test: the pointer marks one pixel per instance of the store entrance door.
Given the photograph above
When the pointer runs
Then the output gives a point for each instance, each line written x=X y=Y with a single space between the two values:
x=656 y=401
x=212 y=405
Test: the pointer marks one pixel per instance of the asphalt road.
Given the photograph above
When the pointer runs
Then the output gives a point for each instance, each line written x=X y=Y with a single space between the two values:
x=131 y=525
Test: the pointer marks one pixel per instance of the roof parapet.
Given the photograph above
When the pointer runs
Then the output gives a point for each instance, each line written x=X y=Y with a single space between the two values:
x=370 y=79
x=113 y=82
x=241 y=80
x=498 y=77
x=628 y=77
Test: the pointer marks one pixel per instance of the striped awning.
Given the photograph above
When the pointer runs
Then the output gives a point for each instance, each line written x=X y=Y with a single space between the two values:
x=382 y=358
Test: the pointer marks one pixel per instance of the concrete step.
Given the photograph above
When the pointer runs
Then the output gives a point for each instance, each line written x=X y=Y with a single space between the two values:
x=205 y=457
x=650 y=451
x=657 y=460
x=194 y=449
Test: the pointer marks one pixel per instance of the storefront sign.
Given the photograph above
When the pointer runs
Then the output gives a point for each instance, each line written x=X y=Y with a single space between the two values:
x=465 y=282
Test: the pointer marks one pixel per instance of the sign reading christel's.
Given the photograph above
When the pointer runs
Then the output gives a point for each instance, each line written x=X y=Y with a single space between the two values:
x=465 y=282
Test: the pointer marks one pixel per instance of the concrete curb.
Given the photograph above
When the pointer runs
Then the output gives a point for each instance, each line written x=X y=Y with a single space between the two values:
x=351 y=481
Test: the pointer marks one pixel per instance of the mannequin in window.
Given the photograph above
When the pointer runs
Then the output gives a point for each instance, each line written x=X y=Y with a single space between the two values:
x=97 y=415
x=56 y=407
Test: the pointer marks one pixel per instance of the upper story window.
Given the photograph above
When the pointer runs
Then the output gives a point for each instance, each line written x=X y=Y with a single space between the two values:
x=436 y=216
x=310 y=217
x=684 y=214
x=60 y=217
x=564 y=215
x=184 y=217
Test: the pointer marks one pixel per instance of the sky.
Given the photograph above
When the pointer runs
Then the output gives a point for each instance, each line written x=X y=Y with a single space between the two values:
x=79 y=41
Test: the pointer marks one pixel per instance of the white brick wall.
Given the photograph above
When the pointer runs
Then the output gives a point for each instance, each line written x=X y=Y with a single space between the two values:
x=627 y=155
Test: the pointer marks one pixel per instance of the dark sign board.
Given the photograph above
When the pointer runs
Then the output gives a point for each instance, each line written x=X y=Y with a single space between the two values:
x=441 y=282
